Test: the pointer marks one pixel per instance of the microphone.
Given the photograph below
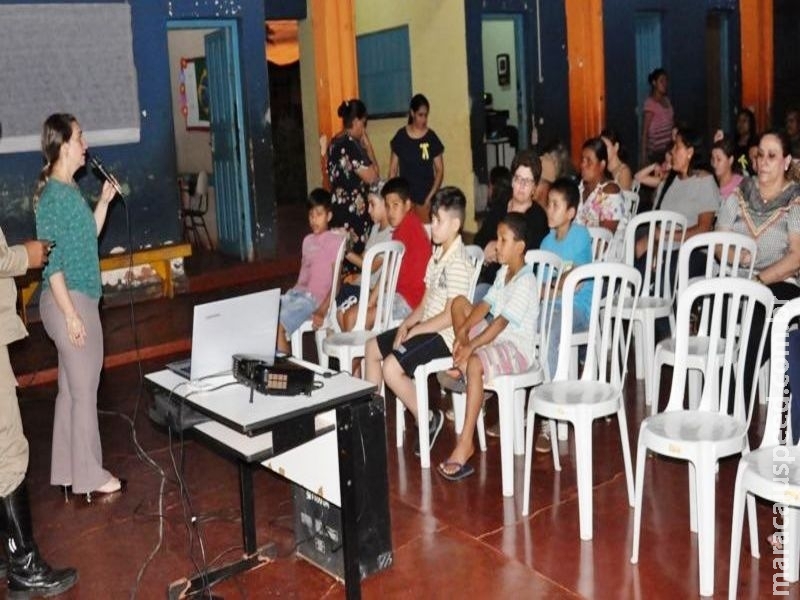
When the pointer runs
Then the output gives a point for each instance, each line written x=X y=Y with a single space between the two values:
x=100 y=168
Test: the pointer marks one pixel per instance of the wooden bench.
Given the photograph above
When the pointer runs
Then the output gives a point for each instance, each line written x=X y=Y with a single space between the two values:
x=159 y=259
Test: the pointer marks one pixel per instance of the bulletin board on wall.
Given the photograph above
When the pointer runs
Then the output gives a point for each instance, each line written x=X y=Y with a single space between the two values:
x=195 y=105
x=73 y=58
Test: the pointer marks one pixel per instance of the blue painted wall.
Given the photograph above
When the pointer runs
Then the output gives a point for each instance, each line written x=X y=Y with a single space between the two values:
x=684 y=53
x=149 y=167
x=548 y=98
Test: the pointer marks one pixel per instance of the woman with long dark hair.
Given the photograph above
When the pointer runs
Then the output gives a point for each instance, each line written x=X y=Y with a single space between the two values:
x=417 y=156
x=69 y=306
x=352 y=168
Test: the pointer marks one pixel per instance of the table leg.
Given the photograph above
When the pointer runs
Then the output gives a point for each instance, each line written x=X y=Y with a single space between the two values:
x=248 y=508
x=345 y=431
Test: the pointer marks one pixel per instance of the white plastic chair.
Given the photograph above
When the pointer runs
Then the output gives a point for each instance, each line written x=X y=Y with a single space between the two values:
x=770 y=472
x=422 y=372
x=330 y=318
x=598 y=393
x=602 y=239
x=349 y=345
x=665 y=232
x=510 y=389
x=713 y=430
x=726 y=244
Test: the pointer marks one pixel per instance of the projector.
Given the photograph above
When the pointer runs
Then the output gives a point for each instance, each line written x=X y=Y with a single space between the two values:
x=279 y=377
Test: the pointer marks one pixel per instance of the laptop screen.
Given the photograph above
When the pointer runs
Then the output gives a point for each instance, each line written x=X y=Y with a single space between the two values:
x=242 y=325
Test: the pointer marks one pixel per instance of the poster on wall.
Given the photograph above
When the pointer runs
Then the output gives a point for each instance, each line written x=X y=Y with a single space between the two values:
x=194 y=94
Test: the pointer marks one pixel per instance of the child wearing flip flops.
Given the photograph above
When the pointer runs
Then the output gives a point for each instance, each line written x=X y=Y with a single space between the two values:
x=426 y=333
x=506 y=344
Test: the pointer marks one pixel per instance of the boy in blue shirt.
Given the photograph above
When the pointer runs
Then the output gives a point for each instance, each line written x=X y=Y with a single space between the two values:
x=573 y=244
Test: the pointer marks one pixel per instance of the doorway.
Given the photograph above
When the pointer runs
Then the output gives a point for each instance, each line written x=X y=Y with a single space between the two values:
x=286 y=109
x=213 y=141
x=648 y=58
x=718 y=76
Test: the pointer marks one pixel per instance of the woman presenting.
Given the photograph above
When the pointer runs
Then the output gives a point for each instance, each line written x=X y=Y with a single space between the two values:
x=417 y=156
x=69 y=308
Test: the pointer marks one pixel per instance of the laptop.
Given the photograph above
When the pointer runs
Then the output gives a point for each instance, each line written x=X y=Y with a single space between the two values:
x=242 y=325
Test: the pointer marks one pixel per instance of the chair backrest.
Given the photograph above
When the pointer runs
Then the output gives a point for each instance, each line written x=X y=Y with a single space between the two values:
x=475 y=256
x=391 y=256
x=726 y=244
x=547 y=268
x=199 y=201
x=665 y=231
x=779 y=399
x=636 y=186
x=733 y=300
x=631 y=198
x=601 y=242
x=615 y=290
x=330 y=318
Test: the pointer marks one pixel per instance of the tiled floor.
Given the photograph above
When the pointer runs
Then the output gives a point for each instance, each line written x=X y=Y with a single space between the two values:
x=449 y=539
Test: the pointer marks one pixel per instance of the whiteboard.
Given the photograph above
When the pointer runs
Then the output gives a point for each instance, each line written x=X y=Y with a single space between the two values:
x=73 y=58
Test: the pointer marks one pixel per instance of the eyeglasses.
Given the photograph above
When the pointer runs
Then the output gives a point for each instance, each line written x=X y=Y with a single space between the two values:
x=522 y=181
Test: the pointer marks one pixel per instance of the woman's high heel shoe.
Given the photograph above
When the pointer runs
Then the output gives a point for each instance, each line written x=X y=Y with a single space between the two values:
x=105 y=496
x=66 y=490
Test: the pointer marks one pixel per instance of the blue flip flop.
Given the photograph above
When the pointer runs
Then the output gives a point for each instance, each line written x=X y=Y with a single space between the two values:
x=464 y=470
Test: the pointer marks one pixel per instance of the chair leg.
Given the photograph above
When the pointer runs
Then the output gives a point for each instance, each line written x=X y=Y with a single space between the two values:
x=459 y=410
x=641 y=462
x=739 y=496
x=505 y=408
x=400 y=418
x=421 y=384
x=706 y=492
x=526 y=485
x=518 y=420
x=791 y=543
x=692 y=498
x=638 y=334
x=583 y=457
x=322 y=358
x=655 y=384
x=563 y=431
x=481 y=427
x=297 y=343
x=554 y=443
x=753 y=526
x=626 y=450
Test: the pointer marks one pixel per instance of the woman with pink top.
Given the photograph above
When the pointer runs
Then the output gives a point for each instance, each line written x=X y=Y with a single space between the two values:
x=722 y=161
x=657 y=119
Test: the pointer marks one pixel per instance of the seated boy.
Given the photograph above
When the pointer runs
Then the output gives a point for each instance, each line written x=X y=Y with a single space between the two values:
x=409 y=230
x=381 y=231
x=505 y=345
x=573 y=244
x=426 y=334
x=311 y=295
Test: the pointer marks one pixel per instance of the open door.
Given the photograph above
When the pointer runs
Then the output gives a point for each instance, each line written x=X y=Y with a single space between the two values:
x=227 y=144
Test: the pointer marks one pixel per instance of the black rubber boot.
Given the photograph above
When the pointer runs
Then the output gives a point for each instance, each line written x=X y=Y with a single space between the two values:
x=29 y=576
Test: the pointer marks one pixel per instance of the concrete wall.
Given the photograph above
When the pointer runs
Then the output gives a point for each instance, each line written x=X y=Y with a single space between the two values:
x=438 y=70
